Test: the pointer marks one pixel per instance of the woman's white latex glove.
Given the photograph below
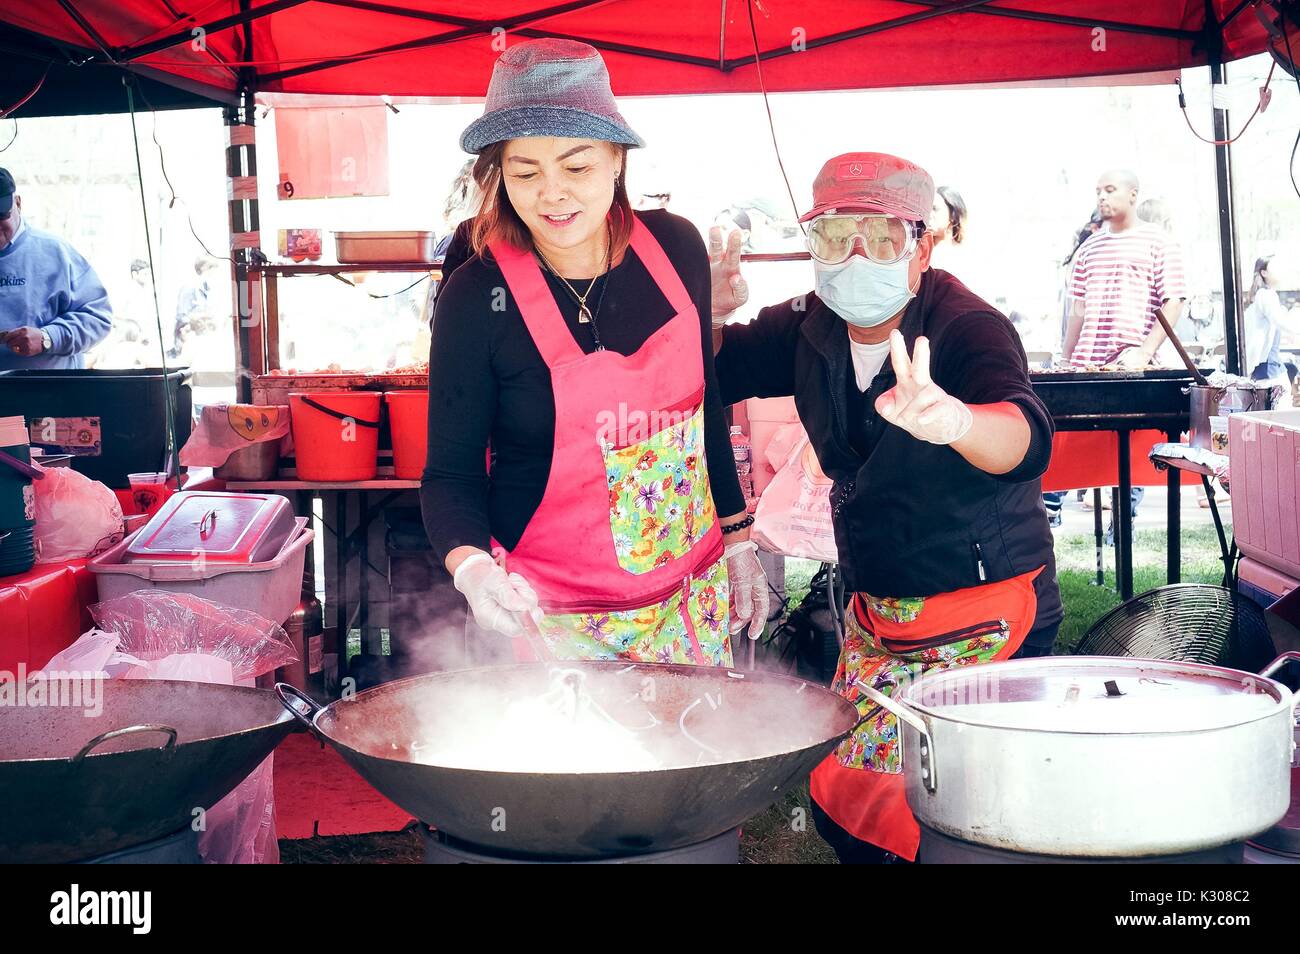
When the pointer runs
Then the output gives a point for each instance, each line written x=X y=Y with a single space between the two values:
x=730 y=290
x=750 y=600
x=916 y=403
x=497 y=598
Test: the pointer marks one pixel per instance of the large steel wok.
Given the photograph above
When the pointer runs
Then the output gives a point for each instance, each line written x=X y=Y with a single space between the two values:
x=108 y=764
x=749 y=738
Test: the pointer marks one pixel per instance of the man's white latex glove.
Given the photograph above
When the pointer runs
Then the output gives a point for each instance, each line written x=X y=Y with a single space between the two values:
x=749 y=594
x=497 y=598
x=730 y=290
x=916 y=403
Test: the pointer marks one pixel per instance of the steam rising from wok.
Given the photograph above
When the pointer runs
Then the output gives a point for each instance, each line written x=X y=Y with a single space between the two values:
x=630 y=719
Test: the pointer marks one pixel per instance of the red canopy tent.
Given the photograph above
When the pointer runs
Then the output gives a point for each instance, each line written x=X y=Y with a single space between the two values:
x=445 y=47
x=228 y=50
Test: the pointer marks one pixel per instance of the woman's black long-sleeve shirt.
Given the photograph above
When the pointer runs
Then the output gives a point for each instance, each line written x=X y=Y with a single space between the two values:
x=489 y=383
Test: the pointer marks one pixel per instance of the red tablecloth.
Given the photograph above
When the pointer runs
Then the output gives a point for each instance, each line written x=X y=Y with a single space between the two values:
x=43 y=611
x=1091 y=459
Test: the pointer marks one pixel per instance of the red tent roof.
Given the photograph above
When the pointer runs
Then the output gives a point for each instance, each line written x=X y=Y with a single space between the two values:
x=446 y=48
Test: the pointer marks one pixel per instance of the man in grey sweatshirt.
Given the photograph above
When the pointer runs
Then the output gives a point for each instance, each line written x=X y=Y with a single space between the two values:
x=53 y=307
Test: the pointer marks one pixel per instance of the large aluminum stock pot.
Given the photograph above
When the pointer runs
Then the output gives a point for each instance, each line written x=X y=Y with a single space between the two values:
x=1097 y=756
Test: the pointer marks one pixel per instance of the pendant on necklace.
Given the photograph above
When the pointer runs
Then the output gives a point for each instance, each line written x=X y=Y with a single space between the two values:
x=584 y=315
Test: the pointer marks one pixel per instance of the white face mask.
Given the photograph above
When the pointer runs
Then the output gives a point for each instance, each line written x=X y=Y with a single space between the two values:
x=862 y=292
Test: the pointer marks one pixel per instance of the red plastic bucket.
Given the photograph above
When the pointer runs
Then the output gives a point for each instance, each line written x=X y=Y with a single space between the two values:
x=408 y=418
x=335 y=434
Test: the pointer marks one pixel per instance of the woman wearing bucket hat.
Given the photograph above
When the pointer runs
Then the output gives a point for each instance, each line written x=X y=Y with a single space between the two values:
x=576 y=343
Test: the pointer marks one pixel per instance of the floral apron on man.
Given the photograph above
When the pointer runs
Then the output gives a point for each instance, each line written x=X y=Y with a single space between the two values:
x=889 y=643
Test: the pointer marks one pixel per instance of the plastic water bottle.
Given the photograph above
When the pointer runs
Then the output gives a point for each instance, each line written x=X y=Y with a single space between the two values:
x=743 y=452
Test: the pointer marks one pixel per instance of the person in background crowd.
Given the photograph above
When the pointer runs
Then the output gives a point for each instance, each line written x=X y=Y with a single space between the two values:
x=1155 y=212
x=1265 y=321
x=1122 y=275
x=461 y=205
x=194 y=310
x=132 y=341
x=615 y=537
x=652 y=188
x=738 y=220
x=760 y=224
x=53 y=307
x=918 y=404
x=1067 y=267
x=457 y=212
x=948 y=217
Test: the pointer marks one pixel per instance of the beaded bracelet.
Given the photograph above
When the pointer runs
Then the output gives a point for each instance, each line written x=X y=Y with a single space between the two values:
x=739 y=525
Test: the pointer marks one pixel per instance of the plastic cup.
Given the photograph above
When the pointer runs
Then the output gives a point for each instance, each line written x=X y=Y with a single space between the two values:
x=148 y=490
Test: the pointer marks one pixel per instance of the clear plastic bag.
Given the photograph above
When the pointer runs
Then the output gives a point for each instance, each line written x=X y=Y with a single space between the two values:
x=186 y=637
x=155 y=624
x=75 y=516
x=240 y=829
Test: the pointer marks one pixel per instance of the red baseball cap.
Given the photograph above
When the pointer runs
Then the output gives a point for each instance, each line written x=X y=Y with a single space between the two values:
x=872 y=182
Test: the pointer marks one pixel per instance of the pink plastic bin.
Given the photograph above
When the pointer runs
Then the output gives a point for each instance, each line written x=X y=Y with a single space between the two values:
x=1265 y=579
x=1265 y=477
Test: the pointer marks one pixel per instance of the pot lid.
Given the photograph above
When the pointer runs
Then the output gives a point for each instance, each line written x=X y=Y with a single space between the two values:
x=1096 y=694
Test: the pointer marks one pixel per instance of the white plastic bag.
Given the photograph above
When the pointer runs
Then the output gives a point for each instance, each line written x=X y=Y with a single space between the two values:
x=75 y=516
x=95 y=652
x=794 y=514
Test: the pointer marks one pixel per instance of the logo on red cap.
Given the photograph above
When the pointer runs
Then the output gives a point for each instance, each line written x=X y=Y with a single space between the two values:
x=859 y=170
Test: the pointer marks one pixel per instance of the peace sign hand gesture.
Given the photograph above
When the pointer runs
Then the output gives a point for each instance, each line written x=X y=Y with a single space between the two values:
x=730 y=290
x=916 y=403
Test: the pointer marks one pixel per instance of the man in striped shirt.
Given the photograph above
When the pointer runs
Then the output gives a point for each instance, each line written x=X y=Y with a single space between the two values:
x=1122 y=275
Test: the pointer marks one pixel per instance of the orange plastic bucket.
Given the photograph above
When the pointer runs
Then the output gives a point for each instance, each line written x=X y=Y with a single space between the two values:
x=408 y=418
x=335 y=434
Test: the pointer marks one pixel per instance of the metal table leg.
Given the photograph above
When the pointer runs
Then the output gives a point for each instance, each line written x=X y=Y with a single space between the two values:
x=1100 y=533
x=1123 y=517
x=1224 y=549
x=1173 y=522
x=341 y=577
x=370 y=644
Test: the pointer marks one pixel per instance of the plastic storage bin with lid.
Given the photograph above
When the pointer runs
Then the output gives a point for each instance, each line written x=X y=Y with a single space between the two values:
x=241 y=550
x=1265 y=481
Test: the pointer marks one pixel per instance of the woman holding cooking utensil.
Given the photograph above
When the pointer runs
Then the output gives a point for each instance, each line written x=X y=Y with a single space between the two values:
x=576 y=344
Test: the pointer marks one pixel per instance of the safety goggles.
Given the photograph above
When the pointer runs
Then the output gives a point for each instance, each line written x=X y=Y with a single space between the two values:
x=886 y=239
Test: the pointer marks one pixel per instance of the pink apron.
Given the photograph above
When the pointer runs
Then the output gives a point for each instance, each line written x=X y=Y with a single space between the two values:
x=625 y=550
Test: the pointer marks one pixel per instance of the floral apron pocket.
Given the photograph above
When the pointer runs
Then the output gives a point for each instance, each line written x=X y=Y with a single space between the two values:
x=885 y=665
x=689 y=626
x=660 y=504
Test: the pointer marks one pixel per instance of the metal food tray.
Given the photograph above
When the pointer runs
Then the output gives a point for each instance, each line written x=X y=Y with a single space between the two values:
x=377 y=248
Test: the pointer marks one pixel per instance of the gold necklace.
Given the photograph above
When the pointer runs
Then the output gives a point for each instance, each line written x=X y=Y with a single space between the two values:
x=584 y=313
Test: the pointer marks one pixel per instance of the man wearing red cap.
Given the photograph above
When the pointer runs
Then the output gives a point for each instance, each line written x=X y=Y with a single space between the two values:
x=916 y=397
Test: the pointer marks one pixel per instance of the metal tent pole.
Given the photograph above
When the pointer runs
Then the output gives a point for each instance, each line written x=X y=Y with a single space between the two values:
x=1228 y=248
x=245 y=235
